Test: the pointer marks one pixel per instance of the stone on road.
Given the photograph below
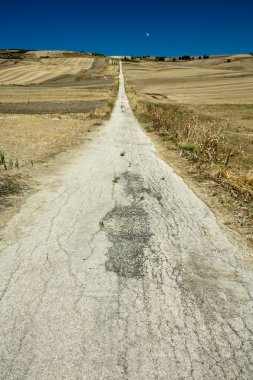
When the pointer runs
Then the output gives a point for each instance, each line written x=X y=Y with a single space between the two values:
x=119 y=271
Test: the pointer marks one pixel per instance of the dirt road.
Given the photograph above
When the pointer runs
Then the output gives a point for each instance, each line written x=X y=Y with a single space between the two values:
x=116 y=270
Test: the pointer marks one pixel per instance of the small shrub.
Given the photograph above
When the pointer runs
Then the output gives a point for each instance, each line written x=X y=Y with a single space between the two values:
x=2 y=158
x=10 y=163
x=111 y=104
x=173 y=139
x=186 y=58
x=160 y=59
x=203 y=138
x=189 y=147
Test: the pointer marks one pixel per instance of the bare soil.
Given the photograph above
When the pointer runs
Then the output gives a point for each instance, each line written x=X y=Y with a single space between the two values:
x=49 y=107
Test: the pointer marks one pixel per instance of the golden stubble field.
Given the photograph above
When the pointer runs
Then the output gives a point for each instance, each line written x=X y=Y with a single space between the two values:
x=25 y=72
x=42 y=114
x=210 y=81
x=214 y=93
x=214 y=87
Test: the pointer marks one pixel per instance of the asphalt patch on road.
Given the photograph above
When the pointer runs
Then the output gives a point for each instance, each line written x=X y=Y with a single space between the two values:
x=129 y=232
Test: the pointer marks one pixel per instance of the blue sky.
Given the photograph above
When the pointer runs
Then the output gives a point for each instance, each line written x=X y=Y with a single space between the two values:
x=119 y=27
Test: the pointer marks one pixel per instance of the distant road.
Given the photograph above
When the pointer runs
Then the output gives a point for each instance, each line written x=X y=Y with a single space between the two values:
x=116 y=270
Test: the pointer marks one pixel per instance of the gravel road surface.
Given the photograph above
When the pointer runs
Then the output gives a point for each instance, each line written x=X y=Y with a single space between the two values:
x=117 y=270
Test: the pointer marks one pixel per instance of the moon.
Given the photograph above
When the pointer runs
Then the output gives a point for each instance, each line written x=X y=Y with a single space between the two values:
x=147 y=34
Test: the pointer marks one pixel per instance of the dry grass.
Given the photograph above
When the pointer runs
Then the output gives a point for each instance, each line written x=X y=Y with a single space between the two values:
x=200 y=139
x=237 y=122
x=190 y=109
x=207 y=104
x=10 y=186
x=35 y=137
x=27 y=140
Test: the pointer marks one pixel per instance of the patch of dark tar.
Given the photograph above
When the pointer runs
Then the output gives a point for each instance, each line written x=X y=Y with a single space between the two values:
x=135 y=186
x=138 y=189
x=129 y=232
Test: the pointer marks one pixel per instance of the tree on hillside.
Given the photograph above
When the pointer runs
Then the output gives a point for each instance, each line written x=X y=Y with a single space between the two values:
x=186 y=58
x=160 y=59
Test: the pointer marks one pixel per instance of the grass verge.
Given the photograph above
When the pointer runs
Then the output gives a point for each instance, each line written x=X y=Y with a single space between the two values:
x=209 y=154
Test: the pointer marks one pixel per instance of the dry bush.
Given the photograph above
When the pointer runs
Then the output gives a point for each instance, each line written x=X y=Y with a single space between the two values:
x=10 y=186
x=101 y=112
x=201 y=140
x=240 y=182
x=204 y=140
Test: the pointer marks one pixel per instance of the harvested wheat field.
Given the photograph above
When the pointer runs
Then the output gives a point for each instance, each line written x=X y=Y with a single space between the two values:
x=46 y=53
x=220 y=90
x=209 y=81
x=26 y=72
x=202 y=110
x=53 y=115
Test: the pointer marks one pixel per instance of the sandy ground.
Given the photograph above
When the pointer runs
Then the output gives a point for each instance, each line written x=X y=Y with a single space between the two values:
x=116 y=270
x=49 y=107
